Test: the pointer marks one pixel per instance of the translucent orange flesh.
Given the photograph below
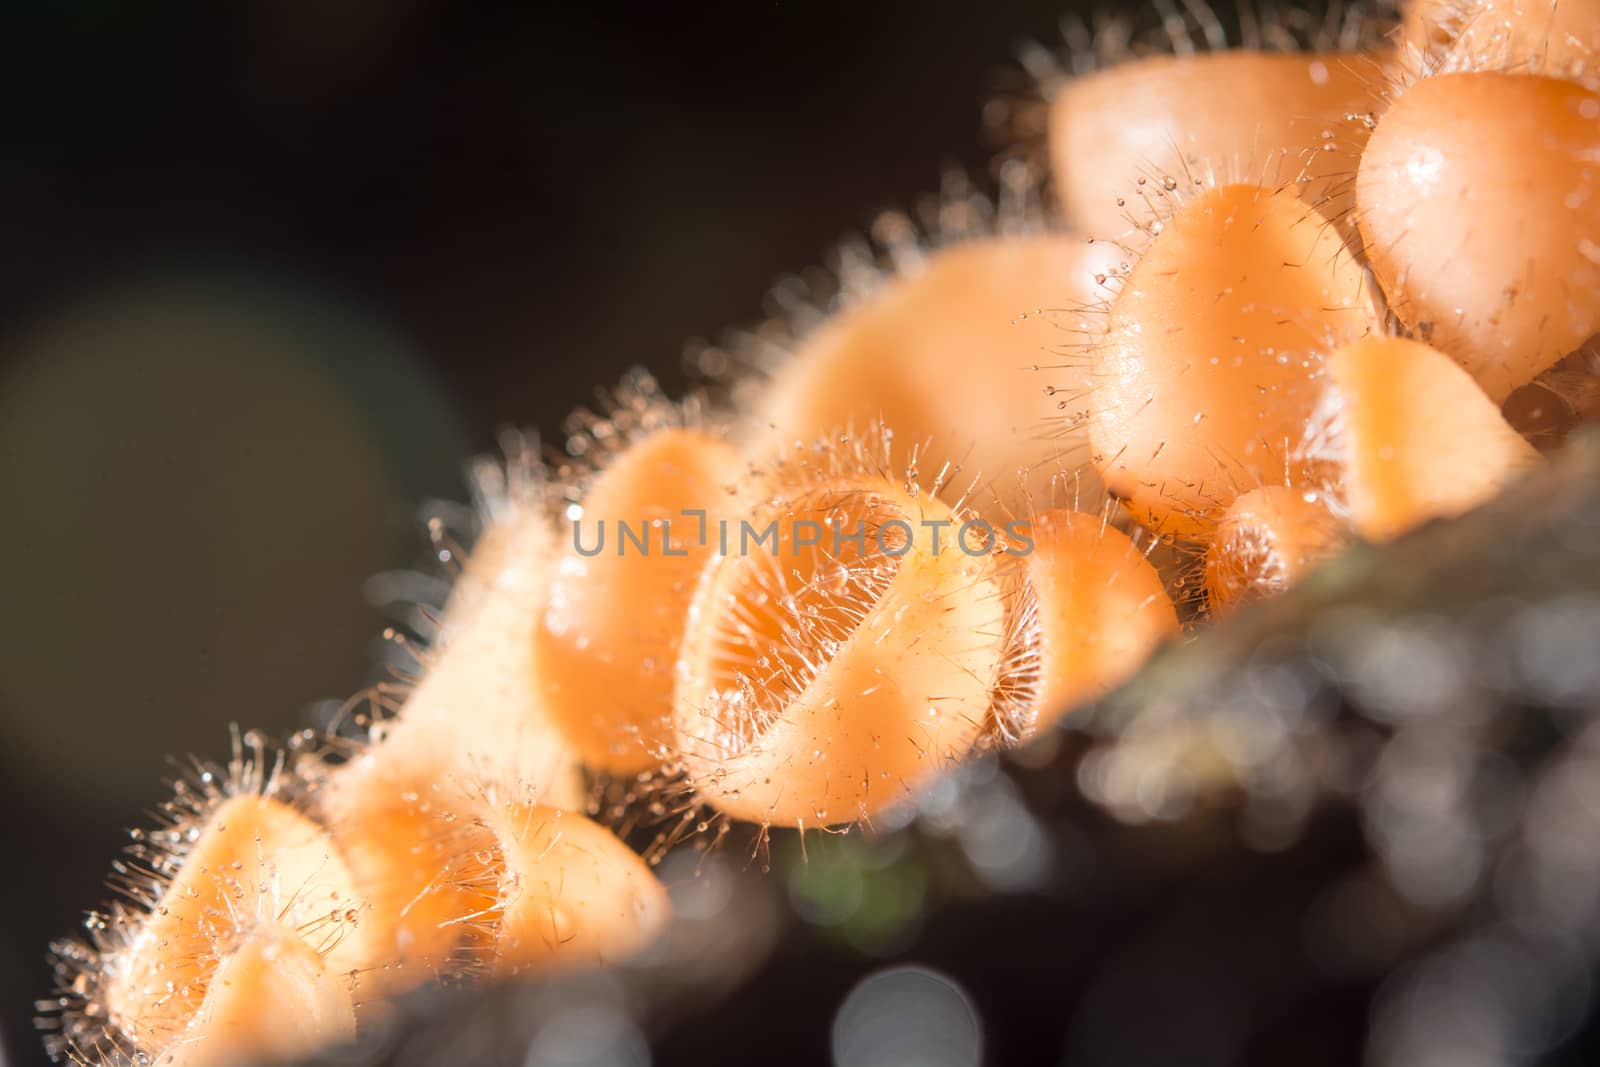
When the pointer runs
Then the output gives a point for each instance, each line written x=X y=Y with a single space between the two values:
x=418 y=862
x=573 y=895
x=964 y=354
x=1479 y=205
x=821 y=686
x=605 y=647
x=1210 y=366
x=1420 y=439
x=409 y=811
x=1102 y=609
x=459 y=880
x=1266 y=542
x=1257 y=117
x=256 y=865
x=273 y=999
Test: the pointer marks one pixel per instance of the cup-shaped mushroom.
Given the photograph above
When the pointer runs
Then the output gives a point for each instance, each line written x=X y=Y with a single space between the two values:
x=605 y=646
x=1119 y=137
x=1088 y=610
x=272 y=999
x=1266 y=541
x=1479 y=205
x=1211 y=363
x=834 y=666
x=1418 y=437
x=572 y=894
x=255 y=864
x=963 y=352
x=428 y=874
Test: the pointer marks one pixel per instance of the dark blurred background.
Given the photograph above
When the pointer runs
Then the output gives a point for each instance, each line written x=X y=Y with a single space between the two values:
x=273 y=269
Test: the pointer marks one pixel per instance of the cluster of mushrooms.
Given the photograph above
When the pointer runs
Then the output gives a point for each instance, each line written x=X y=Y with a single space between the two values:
x=1233 y=307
